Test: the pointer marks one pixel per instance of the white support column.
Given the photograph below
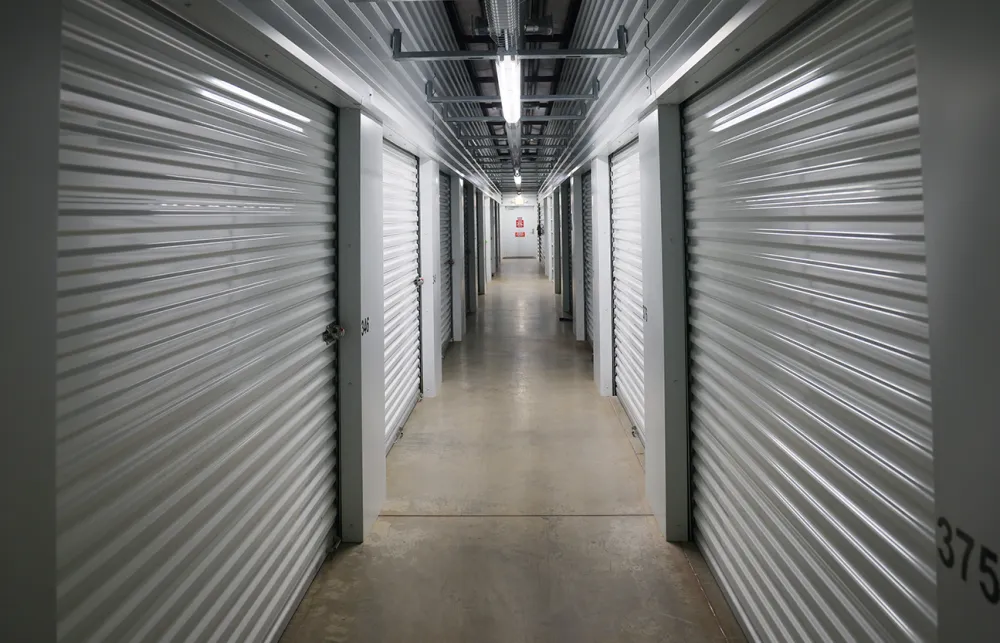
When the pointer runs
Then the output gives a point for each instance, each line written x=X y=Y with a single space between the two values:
x=430 y=262
x=458 y=256
x=665 y=330
x=361 y=358
x=29 y=180
x=958 y=61
x=471 y=258
x=600 y=186
x=579 y=301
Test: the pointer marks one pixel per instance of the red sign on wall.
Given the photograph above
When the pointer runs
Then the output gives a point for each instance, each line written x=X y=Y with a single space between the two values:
x=520 y=223
x=519 y=234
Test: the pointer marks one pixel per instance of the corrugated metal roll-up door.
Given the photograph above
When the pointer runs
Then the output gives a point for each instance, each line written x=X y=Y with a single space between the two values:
x=401 y=286
x=538 y=231
x=811 y=409
x=447 y=261
x=550 y=217
x=626 y=287
x=196 y=453
x=588 y=258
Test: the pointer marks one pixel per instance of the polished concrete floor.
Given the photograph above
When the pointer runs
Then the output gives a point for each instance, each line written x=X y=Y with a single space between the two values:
x=515 y=508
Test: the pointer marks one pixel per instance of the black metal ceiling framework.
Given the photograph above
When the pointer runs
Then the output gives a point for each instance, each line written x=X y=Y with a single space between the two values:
x=541 y=78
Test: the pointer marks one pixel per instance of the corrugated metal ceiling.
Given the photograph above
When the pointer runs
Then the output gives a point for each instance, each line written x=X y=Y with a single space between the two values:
x=347 y=45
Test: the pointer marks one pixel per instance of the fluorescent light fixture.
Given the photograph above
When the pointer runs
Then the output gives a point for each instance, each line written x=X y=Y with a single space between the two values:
x=517 y=179
x=509 y=80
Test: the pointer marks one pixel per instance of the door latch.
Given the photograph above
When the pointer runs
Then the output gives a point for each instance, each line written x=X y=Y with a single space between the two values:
x=333 y=333
x=419 y=281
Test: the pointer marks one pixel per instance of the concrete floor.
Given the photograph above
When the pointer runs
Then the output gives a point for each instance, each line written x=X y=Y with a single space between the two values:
x=515 y=508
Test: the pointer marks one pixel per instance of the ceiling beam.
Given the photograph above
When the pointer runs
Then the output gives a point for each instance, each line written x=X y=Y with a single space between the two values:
x=531 y=37
x=572 y=15
x=524 y=54
x=456 y=26
x=524 y=119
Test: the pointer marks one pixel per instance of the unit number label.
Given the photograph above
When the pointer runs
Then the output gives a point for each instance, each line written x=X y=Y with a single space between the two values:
x=957 y=549
x=365 y=326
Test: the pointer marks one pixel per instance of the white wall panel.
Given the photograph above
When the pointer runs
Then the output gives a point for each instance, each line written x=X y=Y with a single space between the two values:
x=587 y=206
x=512 y=245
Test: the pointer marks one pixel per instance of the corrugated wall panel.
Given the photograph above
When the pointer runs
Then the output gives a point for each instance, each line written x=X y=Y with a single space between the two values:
x=352 y=40
x=811 y=409
x=538 y=230
x=196 y=399
x=447 y=261
x=664 y=35
x=626 y=289
x=550 y=207
x=588 y=258
x=401 y=266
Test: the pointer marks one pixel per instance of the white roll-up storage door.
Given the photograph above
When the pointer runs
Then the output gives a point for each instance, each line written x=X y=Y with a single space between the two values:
x=196 y=430
x=401 y=287
x=626 y=289
x=447 y=261
x=811 y=409
x=588 y=258
x=538 y=230
x=551 y=245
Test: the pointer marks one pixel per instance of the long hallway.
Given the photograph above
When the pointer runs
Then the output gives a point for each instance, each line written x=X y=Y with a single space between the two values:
x=515 y=507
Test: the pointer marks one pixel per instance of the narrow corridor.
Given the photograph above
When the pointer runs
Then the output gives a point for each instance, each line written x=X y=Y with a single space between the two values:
x=515 y=508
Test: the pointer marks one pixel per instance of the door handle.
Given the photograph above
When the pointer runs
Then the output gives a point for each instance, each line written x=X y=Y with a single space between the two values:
x=332 y=333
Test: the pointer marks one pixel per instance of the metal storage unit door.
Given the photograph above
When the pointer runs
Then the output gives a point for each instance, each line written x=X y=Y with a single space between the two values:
x=550 y=217
x=538 y=230
x=401 y=286
x=811 y=410
x=626 y=289
x=588 y=258
x=196 y=433
x=447 y=262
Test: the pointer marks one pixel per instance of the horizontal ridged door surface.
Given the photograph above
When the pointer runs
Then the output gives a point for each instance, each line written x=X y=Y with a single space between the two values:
x=588 y=259
x=811 y=408
x=626 y=286
x=538 y=230
x=447 y=330
x=401 y=269
x=196 y=397
x=550 y=205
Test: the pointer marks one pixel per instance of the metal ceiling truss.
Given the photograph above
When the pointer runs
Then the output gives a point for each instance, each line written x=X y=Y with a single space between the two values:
x=520 y=36
x=503 y=137
x=524 y=119
x=524 y=54
x=540 y=98
x=524 y=148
